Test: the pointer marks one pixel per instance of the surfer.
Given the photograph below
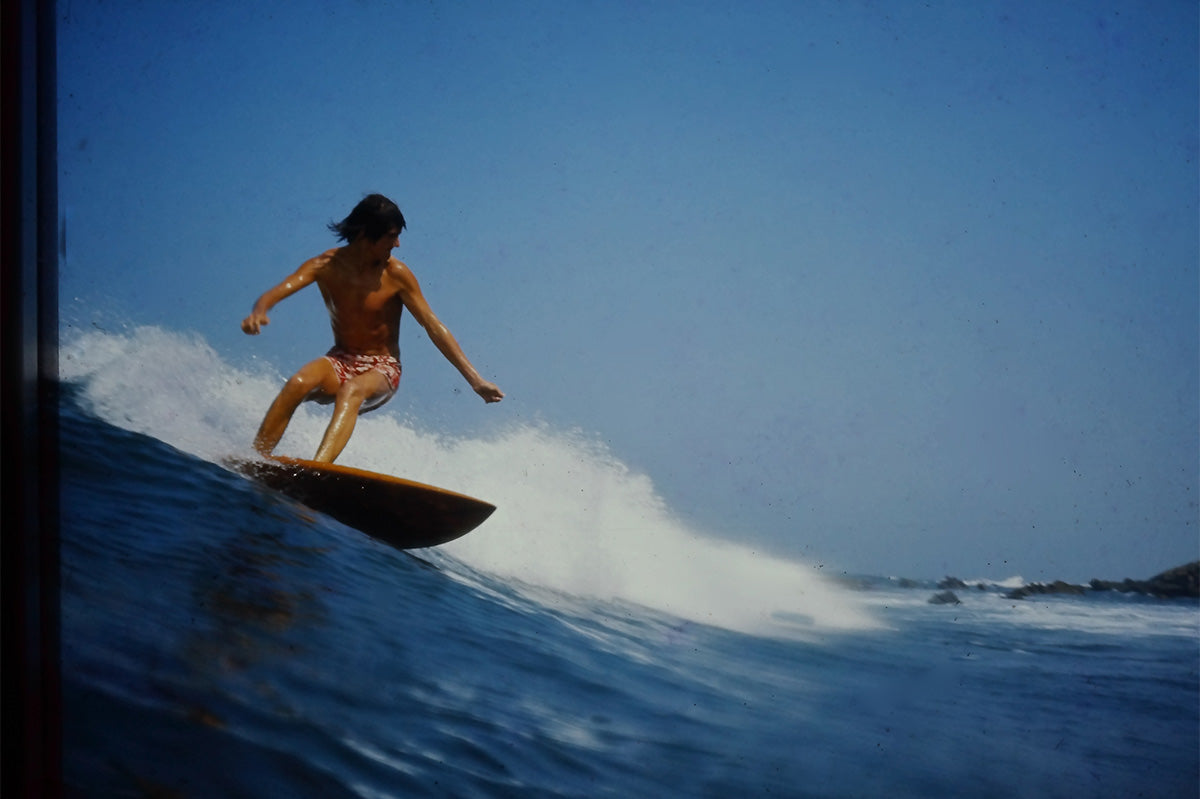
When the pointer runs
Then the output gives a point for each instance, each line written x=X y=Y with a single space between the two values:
x=365 y=290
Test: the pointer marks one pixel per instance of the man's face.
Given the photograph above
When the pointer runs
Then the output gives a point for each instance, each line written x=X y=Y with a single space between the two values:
x=382 y=248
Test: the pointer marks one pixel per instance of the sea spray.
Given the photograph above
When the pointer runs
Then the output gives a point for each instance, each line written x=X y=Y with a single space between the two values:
x=571 y=516
x=168 y=385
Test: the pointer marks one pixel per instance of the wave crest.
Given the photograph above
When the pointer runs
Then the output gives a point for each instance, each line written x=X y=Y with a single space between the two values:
x=571 y=516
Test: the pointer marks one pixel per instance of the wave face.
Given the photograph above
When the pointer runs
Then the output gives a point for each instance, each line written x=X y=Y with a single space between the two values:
x=572 y=519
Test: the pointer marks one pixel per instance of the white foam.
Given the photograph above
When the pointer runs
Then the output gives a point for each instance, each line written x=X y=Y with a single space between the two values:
x=1015 y=581
x=572 y=517
x=1123 y=617
x=1094 y=613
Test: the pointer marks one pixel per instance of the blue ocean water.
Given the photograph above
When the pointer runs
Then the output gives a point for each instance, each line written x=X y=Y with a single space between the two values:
x=221 y=640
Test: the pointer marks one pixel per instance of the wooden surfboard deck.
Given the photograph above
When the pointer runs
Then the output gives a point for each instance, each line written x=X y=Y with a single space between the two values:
x=403 y=513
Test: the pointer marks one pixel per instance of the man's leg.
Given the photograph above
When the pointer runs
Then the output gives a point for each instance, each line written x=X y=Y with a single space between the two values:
x=350 y=397
x=315 y=377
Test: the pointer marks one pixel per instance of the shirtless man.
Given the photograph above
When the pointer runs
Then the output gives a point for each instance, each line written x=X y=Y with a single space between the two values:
x=365 y=290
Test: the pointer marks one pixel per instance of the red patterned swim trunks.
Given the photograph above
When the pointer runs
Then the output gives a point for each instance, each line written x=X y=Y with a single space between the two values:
x=349 y=365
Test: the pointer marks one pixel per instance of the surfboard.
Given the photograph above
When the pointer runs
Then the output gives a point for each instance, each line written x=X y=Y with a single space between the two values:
x=403 y=513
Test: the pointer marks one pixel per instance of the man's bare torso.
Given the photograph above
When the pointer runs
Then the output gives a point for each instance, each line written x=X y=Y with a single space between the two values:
x=365 y=291
x=364 y=301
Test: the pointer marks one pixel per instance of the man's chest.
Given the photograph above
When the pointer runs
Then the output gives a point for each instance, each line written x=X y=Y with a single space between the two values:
x=371 y=295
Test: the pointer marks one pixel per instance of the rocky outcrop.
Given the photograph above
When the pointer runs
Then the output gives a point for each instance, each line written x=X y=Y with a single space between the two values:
x=945 y=598
x=1183 y=581
x=1180 y=582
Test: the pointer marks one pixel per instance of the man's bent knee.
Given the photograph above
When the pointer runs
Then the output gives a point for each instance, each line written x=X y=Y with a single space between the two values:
x=309 y=383
x=299 y=387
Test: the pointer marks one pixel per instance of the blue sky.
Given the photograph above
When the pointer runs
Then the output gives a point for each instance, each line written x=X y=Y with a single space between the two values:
x=901 y=287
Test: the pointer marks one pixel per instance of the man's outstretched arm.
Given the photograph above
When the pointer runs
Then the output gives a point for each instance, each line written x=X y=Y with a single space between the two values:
x=302 y=277
x=444 y=340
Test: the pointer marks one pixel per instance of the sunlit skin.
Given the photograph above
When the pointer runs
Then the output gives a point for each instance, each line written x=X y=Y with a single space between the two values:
x=366 y=290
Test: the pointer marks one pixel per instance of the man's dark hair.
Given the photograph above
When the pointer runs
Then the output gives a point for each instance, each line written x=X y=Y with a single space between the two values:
x=375 y=216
